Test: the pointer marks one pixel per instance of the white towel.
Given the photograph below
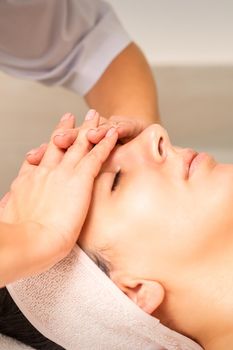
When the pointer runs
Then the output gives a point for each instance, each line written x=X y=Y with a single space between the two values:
x=78 y=307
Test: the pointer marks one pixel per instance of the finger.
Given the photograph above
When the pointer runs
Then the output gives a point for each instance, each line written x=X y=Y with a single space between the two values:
x=91 y=121
x=53 y=154
x=25 y=167
x=81 y=145
x=128 y=128
x=91 y=164
x=127 y=131
x=3 y=202
x=35 y=155
x=96 y=135
x=65 y=139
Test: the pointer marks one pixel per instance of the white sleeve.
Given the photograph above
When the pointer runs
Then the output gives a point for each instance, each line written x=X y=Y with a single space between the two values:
x=69 y=42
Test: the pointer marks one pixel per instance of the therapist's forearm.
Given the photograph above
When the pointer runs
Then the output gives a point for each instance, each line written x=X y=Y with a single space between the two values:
x=126 y=88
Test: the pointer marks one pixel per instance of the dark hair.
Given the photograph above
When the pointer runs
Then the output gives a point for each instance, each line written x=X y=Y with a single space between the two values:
x=98 y=258
x=14 y=324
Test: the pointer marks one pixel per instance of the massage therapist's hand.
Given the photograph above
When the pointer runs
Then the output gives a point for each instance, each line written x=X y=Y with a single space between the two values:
x=51 y=200
x=127 y=129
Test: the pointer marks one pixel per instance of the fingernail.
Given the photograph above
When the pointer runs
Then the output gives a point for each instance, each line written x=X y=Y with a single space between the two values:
x=62 y=134
x=66 y=116
x=110 y=132
x=43 y=145
x=32 y=152
x=90 y=114
x=93 y=131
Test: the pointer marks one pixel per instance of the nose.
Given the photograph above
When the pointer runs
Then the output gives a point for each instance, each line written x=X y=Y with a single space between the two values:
x=152 y=145
x=158 y=140
x=153 y=141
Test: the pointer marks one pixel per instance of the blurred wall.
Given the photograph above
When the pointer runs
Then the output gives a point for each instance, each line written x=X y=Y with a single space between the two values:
x=180 y=32
x=189 y=46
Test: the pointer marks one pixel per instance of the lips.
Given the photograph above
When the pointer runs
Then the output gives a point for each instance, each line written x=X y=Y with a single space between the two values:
x=188 y=161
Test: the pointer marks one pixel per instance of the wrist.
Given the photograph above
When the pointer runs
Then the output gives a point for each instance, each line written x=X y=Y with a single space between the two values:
x=24 y=250
x=14 y=251
x=41 y=250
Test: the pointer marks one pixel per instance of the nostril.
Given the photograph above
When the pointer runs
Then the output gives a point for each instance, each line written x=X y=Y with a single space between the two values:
x=160 y=146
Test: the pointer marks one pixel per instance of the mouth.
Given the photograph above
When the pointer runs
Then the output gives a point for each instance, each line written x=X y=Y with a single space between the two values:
x=188 y=162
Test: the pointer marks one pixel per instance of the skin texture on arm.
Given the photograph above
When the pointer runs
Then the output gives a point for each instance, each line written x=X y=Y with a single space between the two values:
x=126 y=88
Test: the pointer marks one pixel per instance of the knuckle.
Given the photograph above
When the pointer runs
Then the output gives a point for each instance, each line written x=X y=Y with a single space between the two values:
x=75 y=146
x=14 y=184
x=82 y=135
x=104 y=123
x=93 y=156
x=79 y=143
x=41 y=171
x=98 y=151
x=82 y=145
x=18 y=181
x=100 y=148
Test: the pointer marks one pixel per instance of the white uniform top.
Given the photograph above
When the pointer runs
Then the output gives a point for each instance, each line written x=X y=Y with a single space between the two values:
x=69 y=42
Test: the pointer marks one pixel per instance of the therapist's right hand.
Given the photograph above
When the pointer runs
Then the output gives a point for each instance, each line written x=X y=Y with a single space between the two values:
x=53 y=198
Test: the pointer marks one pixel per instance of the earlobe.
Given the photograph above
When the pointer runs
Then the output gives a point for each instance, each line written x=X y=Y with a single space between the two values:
x=148 y=295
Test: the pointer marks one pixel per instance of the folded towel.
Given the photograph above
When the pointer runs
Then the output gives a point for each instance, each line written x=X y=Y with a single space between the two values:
x=7 y=343
x=78 y=307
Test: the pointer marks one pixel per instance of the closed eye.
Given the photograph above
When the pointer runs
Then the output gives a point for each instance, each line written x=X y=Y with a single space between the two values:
x=116 y=180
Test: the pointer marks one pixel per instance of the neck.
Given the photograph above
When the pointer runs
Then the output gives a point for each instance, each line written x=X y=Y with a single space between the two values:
x=207 y=297
x=223 y=342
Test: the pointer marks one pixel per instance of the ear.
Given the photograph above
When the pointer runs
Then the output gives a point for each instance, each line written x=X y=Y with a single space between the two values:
x=148 y=295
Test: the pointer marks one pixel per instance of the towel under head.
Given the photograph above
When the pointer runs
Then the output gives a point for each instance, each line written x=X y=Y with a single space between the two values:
x=78 y=307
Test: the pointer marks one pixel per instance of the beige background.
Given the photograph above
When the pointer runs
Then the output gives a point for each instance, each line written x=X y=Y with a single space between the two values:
x=191 y=53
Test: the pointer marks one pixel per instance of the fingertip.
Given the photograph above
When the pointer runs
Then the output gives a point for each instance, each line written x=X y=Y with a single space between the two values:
x=67 y=116
x=43 y=147
x=96 y=135
x=90 y=114
x=66 y=121
x=35 y=155
x=34 y=158
x=111 y=132
x=4 y=200
x=64 y=140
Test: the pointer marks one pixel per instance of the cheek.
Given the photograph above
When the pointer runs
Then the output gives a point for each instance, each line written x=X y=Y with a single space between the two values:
x=200 y=223
x=161 y=221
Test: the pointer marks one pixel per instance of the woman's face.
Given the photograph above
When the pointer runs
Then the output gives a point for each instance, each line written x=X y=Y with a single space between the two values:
x=158 y=218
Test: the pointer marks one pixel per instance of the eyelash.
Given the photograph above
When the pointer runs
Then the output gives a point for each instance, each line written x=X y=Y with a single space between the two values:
x=116 y=180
